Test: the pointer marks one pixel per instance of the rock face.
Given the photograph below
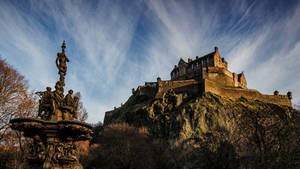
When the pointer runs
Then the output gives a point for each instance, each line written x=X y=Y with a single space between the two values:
x=182 y=116
x=205 y=130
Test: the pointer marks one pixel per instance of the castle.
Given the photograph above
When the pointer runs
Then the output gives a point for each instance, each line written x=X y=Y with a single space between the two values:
x=210 y=66
x=208 y=73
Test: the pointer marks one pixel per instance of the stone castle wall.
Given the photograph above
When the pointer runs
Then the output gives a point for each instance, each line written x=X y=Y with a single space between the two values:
x=198 y=87
x=223 y=76
x=146 y=90
x=251 y=94
x=178 y=86
x=217 y=74
x=218 y=61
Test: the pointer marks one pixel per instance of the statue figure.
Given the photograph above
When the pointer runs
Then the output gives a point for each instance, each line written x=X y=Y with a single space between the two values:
x=69 y=98
x=40 y=148
x=70 y=152
x=59 y=94
x=45 y=103
x=68 y=105
x=61 y=61
x=75 y=106
x=37 y=149
x=59 y=152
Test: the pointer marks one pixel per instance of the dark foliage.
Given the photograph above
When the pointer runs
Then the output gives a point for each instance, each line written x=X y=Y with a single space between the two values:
x=126 y=147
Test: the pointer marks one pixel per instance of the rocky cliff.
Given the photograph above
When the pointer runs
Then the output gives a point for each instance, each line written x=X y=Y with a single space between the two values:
x=253 y=128
x=182 y=116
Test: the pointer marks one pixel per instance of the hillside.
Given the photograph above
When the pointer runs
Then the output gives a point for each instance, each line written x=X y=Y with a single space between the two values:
x=255 y=129
x=183 y=116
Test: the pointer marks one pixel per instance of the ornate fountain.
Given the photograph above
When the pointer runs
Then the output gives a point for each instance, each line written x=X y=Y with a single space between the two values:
x=56 y=129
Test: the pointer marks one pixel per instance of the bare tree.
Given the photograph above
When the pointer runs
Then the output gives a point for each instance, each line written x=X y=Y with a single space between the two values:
x=15 y=101
x=82 y=114
x=13 y=88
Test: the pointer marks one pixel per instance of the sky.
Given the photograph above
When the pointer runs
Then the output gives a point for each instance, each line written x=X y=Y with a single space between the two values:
x=117 y=45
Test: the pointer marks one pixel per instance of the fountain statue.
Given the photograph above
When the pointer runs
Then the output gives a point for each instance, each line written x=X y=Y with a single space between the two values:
x=56 y=129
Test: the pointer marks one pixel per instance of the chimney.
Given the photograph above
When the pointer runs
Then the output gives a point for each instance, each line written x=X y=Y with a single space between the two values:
x=216 y=49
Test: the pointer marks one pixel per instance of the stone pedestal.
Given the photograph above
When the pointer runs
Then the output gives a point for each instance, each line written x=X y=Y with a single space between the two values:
x=53 y=144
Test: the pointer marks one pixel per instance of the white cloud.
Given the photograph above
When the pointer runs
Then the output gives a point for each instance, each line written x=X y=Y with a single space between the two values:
x=243 y=55
x=24 y=37
x=280 y=70
x=105 y=65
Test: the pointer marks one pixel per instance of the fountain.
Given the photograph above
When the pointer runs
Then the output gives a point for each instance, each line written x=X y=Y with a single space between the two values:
x=56 y=128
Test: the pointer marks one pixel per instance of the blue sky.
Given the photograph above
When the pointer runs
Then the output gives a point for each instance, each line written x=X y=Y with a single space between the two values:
x=116 y=45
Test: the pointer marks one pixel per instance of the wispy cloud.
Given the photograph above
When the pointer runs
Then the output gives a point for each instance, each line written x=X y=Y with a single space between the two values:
x=116 y=45
x=24 y=39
